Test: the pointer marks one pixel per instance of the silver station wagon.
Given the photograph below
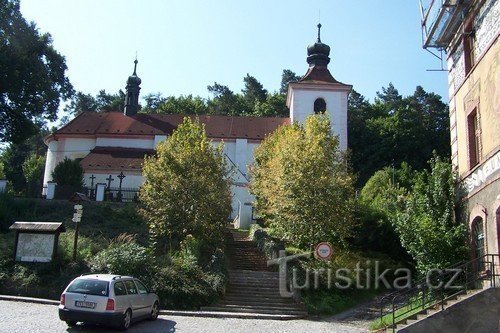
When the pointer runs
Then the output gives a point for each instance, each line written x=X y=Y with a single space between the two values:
x=107 y=299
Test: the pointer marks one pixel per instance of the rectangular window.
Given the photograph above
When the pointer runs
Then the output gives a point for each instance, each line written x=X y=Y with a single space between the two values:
x=474 y=138
x=468 y=43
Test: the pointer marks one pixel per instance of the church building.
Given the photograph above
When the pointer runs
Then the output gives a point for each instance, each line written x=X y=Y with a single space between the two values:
x=111 y=145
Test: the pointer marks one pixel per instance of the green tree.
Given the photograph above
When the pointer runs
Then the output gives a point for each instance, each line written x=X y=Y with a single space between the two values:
x=33 y=168
x=396 y=129
x=225 y=101
x=253 y=91
x=185 y=105
x=15 y=154
x=287 y=77
x=302 y=185
x=2 y=173
x=68 y=172
x=273 y=106
x=102 y=102
x=32 y=75
x=186 y=190
x=153 y=102
x=427 y=227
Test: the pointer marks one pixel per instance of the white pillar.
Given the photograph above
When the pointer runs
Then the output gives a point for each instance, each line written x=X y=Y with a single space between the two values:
x=51 y=161
x=3 y=185
x=51 y=190
x=99 y=196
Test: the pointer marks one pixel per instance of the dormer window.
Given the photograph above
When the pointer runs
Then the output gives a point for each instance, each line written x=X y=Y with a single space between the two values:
x=319 y=106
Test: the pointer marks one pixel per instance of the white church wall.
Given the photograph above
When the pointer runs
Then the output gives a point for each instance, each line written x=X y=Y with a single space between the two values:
x=158 y=139
x=302 y=105
x=126 y=143
x=72 y=148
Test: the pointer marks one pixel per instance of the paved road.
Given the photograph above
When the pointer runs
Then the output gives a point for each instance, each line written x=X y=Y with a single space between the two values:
x=31 y=318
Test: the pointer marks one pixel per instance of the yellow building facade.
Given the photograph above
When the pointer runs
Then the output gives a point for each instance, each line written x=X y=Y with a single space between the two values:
x=468 y=32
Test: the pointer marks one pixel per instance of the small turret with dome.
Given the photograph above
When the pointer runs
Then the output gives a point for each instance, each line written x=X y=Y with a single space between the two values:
x=132 y=93
x=318 y=53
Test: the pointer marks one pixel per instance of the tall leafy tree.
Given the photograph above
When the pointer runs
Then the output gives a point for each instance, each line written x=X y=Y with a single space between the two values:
x=253 y=91
x=287 y=77
x=186 y=191
x=396 y=129
x=186 y=105
x=33 y=168
x=102 y=102
x=32 y=75
x=225 y=101
x=15 y=154
x=273 y=106
x=302 y=185
x=427 y=226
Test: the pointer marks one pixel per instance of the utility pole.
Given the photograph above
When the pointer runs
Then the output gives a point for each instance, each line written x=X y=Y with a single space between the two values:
x=77 y=218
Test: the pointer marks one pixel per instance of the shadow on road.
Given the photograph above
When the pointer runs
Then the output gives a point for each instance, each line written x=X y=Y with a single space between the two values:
x=159 y=325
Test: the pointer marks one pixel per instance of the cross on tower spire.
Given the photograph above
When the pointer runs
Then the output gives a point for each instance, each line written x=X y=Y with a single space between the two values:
x=319 y=32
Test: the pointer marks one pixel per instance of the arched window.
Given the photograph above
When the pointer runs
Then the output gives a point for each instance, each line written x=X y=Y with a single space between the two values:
x=319 y=105
x=478 y=239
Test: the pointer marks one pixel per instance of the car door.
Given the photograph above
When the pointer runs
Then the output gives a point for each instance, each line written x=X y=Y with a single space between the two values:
x=145 y=303
x=134 y=298
x=122 y=302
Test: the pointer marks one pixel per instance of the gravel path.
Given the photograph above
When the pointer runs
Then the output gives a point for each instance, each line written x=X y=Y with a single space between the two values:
x=31 y=318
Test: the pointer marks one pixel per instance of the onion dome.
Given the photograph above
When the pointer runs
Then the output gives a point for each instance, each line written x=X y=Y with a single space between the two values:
x=318 y=53
x=134 y=79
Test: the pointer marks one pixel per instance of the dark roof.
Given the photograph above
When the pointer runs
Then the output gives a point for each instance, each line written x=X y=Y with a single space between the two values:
x=320 y=74
x=115 y=158
x=38 y=226
x=94 y=123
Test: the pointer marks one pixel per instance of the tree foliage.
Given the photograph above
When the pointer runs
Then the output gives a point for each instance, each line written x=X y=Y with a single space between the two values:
x=14 y=156
x=302 y=185
x=186 y=190
x=427 y=226
x=287 y=77
x=32 y=75
x=68 y=172
x=102 y=102
x=396 y=129
x=33 y=168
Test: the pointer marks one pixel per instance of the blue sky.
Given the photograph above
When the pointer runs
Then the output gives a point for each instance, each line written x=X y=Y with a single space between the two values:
x=183 y=46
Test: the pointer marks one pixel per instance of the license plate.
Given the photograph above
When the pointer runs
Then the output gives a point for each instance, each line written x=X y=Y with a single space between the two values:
x=82 y=304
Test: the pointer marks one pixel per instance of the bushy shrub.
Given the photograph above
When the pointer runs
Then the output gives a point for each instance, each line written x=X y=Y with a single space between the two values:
x=68 y=172
x=269 y=245
x=184 y=286
x=123 y=257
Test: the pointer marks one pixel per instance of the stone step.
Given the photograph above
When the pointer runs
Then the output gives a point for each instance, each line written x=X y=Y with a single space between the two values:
x=268 y=299
x=235 y=272
x=254 y=286
x=263 y=306
x=250 y=310
x=274 y=284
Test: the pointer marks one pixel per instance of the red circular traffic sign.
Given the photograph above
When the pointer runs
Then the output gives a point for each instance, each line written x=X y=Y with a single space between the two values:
x=324 y=251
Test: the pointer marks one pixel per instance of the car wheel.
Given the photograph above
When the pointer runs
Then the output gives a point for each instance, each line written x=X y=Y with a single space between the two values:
x=154 y=311
x=127 y=319
x=71 y=323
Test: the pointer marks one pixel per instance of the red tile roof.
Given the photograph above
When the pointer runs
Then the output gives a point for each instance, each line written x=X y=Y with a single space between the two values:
x=319 y=74
x=93 y=123
x=115 y=158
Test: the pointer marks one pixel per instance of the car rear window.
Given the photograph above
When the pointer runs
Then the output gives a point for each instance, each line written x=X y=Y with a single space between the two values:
x=89 y=287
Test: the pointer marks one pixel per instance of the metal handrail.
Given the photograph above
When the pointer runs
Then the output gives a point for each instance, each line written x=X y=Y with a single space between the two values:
x=424 y=294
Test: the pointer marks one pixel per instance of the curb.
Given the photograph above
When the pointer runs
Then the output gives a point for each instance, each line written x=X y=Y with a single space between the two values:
x=28 y=300
x=238 y=315
x=206 y=314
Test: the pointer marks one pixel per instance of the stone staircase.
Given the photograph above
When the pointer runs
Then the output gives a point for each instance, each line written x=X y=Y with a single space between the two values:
x=253 y=289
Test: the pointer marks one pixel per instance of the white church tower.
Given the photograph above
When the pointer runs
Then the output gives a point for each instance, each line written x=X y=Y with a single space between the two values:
x=317 y=92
